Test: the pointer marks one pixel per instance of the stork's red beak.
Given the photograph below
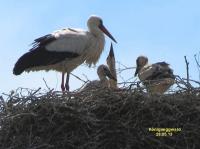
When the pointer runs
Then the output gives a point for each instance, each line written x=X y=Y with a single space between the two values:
x=103 y=29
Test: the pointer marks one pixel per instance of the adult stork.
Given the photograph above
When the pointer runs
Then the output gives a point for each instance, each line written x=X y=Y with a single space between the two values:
x=103 y=72
x=157 y=77
x=65 y=49
x=111 y=65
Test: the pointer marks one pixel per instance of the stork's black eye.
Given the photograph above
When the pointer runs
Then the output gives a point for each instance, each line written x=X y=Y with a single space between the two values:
x=101 y=22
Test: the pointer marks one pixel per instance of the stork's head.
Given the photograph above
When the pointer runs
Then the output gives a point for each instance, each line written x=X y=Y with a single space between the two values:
x=140 y=62
x=95 y=23
x=104 y=72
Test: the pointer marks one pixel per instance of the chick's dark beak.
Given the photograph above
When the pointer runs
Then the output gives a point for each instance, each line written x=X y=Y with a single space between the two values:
x=109 y=75
x=137 y=71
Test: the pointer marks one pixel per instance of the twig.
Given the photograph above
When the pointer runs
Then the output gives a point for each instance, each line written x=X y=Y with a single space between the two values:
x=80 y=88
x=125 y=82
x=78 y=78
x=86 y=77
x=197 y=62
x=36 y=91
x=121 y=64
x=127 y=68
x=179 y=80
x=21 y=114
x=197 y=82
x=187 y=69
x=4 y=104
x=42 y=146
x=46 y=84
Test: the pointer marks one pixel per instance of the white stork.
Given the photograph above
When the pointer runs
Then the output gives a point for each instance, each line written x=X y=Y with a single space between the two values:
x=103 y=72
x=65 y=49
x=157 y=77
x=111 y=65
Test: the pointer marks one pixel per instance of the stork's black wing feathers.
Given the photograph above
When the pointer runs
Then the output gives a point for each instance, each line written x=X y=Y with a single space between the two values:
x=162 y=70
x=43 y=41
x=40 y=57
x=163 y=64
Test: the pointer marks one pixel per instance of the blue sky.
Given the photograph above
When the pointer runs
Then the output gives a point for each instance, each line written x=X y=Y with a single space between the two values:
x=162 y=30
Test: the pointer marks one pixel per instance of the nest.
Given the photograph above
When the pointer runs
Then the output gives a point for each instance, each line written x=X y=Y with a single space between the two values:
x=100 y=118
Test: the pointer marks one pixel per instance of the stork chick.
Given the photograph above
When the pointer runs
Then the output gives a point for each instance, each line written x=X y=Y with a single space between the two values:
x=65 y=49
x=103 y=72
x=157 y=77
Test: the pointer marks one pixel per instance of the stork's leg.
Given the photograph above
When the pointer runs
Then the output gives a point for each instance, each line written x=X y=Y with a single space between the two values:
x=67 y=82
x=63 y=82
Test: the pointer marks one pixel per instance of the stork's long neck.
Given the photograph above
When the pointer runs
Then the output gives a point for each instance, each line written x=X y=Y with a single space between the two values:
x=103 y=81
x=100 y=42
x=98 y=34
x=102 y=78
x=96 y=46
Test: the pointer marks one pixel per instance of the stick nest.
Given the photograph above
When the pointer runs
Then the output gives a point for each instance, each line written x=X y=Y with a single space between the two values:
x=99 y=118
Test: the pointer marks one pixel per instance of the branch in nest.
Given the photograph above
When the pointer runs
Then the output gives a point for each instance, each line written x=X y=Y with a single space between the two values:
x=127 y=68
x=187 y=70
x=197 y=61
x=46 y=84
x=78 y=78
x=180 y=80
